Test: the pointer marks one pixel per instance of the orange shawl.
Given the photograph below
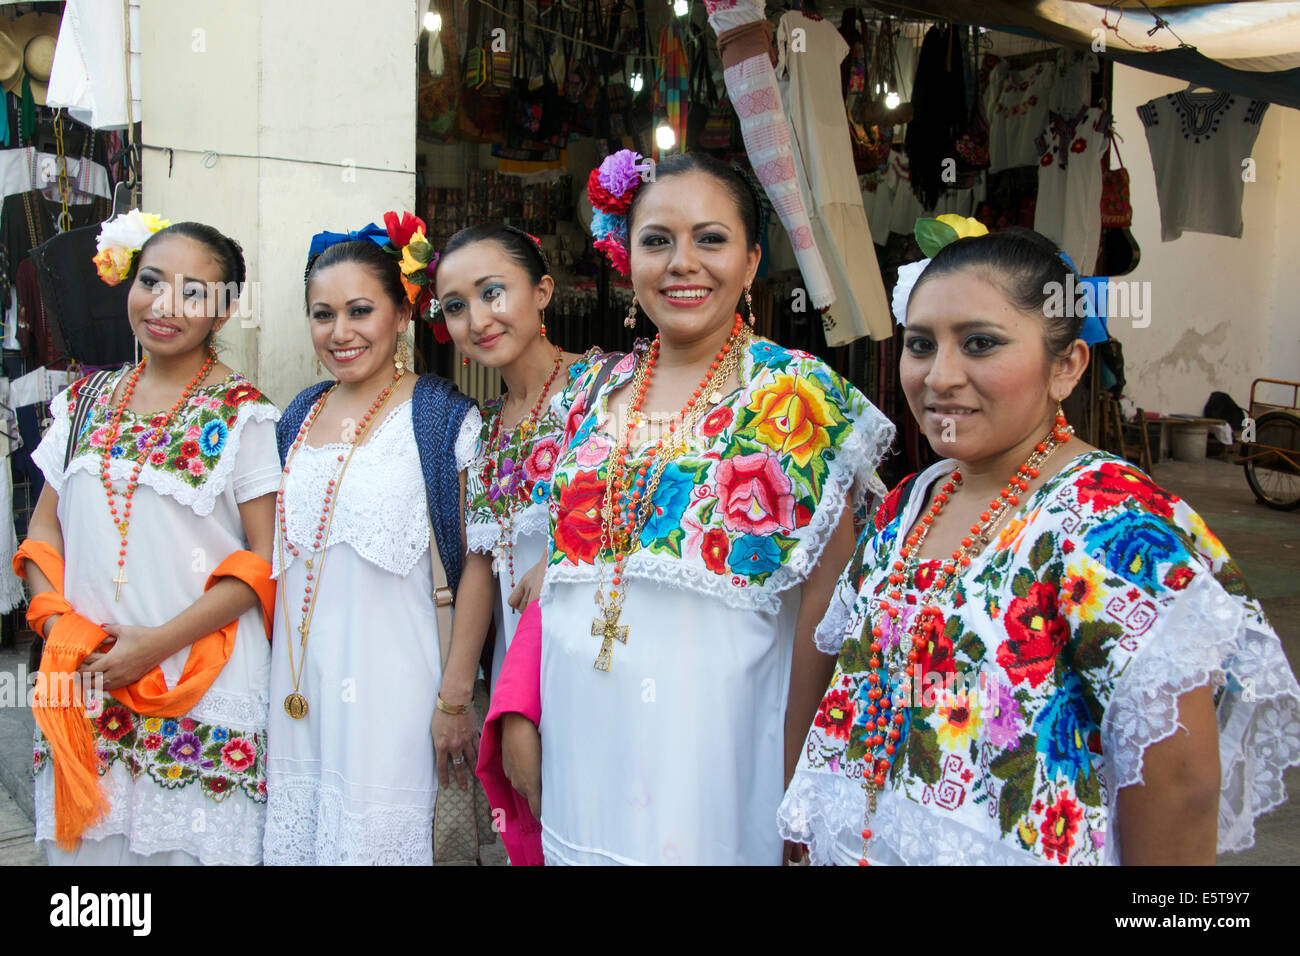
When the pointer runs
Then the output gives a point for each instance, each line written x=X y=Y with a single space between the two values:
x=79 y=802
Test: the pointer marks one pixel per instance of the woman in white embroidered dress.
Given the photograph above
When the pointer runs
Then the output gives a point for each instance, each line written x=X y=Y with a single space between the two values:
x=350 y=770
x=1087 y=679
x=205 y=491
x=493 y=287
x=673 y=748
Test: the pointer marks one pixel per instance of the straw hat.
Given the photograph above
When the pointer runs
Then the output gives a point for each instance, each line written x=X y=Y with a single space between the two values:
x=27 y=46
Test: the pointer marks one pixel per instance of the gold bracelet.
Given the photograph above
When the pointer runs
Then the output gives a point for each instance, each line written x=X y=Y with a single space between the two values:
x=447 y=708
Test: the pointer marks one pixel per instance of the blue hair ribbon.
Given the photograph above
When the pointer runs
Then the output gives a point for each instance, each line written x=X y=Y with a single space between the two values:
x=323 y=240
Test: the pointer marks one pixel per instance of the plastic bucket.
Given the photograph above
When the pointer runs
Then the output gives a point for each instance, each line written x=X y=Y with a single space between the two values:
x=1189 y=442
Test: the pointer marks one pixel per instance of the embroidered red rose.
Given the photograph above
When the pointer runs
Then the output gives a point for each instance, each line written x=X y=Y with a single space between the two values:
x=189 y=449
x=577 y=523
x=1113 y=482
x=540 y=465
x=243 y=392
x=717 y=420
x=1079 y=145
x=238 y=754
x=1059 y=828
x=754 y=494
x=714 y=549
x=114 y=723
x=835 y=714
x=1036 y=632
x=935 y=657
x=1046 y=160
x=1178 y=578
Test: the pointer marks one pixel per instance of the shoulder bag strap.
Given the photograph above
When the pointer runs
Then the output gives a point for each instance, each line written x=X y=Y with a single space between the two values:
x=443 y=599
x=81 y=410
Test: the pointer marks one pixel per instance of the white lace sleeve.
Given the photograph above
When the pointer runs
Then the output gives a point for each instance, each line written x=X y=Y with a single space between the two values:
x=257 y=461
x=834 y=625
x=1210 y=638
x=467 y=438
x=49 y=454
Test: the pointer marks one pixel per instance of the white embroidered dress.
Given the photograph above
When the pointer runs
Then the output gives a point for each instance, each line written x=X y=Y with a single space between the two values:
x=354 y=781
x=675 y=755
x=190 y=789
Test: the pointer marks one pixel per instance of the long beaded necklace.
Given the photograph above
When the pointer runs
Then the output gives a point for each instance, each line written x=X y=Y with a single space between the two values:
x=629 y=500
x=158 y=435
x=512 y=503
x=295 y=704
x=900 y=666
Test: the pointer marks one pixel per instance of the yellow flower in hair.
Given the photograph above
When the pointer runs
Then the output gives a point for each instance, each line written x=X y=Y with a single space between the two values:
x=154 y=222
x=964 y=226
x=415 y=254
x=113 y=264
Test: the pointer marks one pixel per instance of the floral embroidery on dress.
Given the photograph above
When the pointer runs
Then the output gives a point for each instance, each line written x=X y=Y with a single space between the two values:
x=190 y=449
x=522 y=482
x=1041 y=632
x=739 y=504
x=175 y=752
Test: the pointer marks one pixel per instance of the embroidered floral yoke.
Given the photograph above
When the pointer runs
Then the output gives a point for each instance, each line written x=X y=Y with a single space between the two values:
x=699 y=687
x=159 y=773
x=1076 y=630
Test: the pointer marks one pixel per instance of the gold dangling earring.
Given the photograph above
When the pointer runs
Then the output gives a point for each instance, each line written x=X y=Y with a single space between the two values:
x=319 y=370
x=629 y=321
x=749 y=307
x=401 y=359
x=542 y=333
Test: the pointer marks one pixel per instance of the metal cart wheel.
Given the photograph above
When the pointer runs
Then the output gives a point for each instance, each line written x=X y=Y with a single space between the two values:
x=1272 y=475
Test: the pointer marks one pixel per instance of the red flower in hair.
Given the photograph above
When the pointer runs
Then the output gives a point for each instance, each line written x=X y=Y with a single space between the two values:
x=603 y=199
x=616 y=253
x=401 y=230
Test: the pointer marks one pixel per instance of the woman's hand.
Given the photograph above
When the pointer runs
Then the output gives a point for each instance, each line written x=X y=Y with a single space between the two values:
x=126 y=655
x=521 y=758
x=529 y=587
x=455 y=741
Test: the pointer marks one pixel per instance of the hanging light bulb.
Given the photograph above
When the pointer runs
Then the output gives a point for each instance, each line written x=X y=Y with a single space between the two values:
x=681 y=7
x=433 y=21
x=636 y=82
x=665 y=138
x=892 y=100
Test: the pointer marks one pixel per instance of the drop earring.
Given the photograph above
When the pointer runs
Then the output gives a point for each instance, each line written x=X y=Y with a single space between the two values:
x=401 y=360
x=319 y=370
x=465 y=361
x=749 y=307
x=629 y=321
x=542 y=333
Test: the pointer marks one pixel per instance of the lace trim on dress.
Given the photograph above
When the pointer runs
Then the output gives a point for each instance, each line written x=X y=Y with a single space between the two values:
x=380 y=511
x=825 y=811
x=481 y=536
x=1210 y=638
x=200 y=500
x=850 y=475
x=225 y=709
x=311 y=824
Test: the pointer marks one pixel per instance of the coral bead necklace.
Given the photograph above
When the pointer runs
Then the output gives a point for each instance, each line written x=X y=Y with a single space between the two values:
x=899 y=670
x=295 y=704
x=510 y=503
x=157 y=436
x=629 y=493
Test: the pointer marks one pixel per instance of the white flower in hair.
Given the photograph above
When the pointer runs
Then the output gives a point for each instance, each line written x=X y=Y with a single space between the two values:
x=907 y=276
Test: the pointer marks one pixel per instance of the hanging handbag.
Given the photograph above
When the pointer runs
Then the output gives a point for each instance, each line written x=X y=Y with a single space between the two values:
x=462 y=819
x=1116 y=209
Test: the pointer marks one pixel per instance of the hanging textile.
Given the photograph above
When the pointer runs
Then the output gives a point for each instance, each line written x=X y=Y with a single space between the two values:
x=744 y=43
x=673 y=93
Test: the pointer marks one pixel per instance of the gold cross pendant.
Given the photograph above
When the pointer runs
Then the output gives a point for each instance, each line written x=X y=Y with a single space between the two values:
x=119 y=581
x=610 y=630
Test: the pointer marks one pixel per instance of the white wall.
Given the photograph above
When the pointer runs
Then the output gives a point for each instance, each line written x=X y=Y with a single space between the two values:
x=328 y=85
x=1223 y=310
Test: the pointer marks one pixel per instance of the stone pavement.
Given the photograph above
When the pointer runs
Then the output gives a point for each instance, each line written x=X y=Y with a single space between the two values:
x=1264 y=543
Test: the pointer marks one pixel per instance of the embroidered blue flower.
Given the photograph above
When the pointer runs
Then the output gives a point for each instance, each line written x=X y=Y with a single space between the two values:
x=670 y=500
x=169 y=728
x=219 y=733
x=754 y=555
x=769 y=354
x=213 y=438
x=118 y=451
x=1063 y=727
x=1134 y=545
x=541 y=491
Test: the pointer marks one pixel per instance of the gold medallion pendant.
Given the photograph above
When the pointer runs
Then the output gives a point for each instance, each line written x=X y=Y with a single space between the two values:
x=295 y=705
